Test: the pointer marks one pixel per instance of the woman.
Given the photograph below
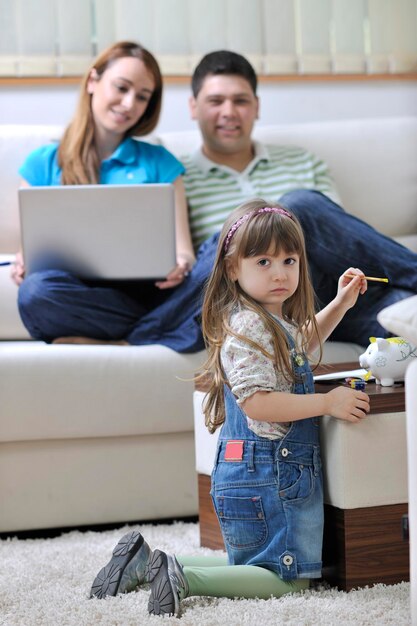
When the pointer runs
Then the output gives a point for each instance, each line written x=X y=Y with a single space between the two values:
x=120 y=98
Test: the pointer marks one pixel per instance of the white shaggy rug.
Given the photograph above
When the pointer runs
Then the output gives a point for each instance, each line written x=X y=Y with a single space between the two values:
x=46 y=582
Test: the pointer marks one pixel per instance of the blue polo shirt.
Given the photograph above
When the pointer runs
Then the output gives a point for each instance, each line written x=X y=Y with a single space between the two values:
x=133 y=162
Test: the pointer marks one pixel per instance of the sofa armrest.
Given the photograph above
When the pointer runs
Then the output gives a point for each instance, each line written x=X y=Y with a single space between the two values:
x=11 y=326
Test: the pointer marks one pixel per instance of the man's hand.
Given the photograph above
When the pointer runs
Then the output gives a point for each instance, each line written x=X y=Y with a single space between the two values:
x=17 y=271
x=177 y=275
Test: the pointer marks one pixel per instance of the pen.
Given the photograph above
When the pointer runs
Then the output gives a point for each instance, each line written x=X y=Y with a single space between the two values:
x=377 y=280
x=6 y=263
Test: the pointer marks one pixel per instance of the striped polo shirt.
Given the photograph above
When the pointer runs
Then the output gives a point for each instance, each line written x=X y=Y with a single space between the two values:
x=214 y=190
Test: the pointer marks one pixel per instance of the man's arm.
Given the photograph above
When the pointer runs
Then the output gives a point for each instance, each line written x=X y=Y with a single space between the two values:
x=324 y=180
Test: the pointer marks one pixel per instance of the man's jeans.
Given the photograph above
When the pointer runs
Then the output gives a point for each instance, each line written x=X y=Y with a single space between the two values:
x=55 y=303
x=335 y=241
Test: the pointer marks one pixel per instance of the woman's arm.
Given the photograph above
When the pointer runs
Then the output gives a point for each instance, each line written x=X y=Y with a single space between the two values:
x=17 y=271
x=185 y=251
x=347 y=295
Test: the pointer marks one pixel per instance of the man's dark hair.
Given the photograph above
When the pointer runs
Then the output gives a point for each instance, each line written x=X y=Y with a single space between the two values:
x=223 y=62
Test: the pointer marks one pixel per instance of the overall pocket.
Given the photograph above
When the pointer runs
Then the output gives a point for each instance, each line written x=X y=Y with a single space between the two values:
x=296 y=481
x=242 y=520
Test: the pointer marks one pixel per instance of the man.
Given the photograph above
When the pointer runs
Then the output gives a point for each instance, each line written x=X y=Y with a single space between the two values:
x=230 y=168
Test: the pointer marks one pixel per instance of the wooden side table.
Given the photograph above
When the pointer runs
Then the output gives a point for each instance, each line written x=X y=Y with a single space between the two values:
x=361 y=546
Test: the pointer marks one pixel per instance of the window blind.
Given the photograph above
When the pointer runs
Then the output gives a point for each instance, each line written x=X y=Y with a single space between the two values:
x=61 y=37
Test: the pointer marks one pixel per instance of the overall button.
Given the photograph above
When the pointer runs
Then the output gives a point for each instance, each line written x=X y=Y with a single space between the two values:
x=284 y=452
x=288 y=559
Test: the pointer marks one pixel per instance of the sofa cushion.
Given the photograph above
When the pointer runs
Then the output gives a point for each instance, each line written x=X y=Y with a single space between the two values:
x=81 y=391
x=365 y=157
x=16 y=142
x=401 y=319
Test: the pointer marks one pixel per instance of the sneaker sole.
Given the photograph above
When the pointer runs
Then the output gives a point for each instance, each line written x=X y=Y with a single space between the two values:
x=107 y=580
x=163 y=599
x=154 y=565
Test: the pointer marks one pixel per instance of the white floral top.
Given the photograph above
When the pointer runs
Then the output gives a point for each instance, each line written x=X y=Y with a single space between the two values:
x=249 y=371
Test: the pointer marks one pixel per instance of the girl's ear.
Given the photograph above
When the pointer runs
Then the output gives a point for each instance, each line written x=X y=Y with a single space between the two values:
x=92 y=80
x=231 y=270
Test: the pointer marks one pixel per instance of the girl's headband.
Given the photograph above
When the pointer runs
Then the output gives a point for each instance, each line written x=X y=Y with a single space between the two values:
x=246 y=216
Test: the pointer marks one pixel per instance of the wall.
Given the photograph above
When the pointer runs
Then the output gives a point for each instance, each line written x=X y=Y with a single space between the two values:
x=284 y=102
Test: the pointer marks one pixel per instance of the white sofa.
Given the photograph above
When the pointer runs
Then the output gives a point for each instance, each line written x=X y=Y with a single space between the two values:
x=98 y=434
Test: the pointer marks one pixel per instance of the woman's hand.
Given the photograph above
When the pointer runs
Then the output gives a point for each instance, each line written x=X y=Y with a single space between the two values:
x=17 y=271
x=177 y=275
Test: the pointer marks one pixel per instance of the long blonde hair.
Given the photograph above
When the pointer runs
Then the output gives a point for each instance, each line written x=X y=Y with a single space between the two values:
x=77 y=152
x=254 y=236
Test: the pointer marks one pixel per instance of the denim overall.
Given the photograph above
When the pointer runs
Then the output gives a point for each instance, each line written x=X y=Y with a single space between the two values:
x=268 y=494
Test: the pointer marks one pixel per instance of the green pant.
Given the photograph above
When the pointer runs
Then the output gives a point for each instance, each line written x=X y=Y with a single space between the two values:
x=212 y=576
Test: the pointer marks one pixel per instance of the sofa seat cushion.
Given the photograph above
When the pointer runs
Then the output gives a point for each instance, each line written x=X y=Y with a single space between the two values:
x=64 y=391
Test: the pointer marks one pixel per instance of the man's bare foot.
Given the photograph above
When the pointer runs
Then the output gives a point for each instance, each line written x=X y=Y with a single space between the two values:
x=89 y=341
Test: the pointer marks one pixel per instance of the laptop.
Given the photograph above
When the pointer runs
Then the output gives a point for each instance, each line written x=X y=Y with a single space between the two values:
x=109 y=232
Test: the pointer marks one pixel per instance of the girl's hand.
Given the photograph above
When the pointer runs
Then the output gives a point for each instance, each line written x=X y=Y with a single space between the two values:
x=17 y=271
x=347 y=404
x=177 y=275
x=349 y=288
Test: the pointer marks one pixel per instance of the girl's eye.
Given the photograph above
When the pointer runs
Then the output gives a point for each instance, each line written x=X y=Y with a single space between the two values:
x=263 y=262
x=141 y=98
x=289 y=261
x=121 y=88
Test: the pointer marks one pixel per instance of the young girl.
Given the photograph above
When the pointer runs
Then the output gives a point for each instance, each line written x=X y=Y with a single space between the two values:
x=260 y=325
x=120 y=99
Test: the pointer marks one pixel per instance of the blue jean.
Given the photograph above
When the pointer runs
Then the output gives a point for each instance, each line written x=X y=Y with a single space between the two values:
x=336 y=240
x=54 y=302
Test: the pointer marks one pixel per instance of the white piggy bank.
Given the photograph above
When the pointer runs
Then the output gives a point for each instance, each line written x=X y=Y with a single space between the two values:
x=387 y=359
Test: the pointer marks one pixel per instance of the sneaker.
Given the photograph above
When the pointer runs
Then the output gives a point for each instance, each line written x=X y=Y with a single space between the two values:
x=169 y=586
x=132 y=564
